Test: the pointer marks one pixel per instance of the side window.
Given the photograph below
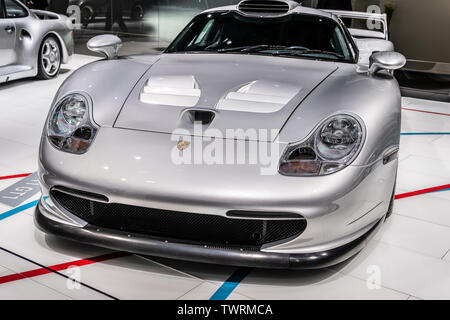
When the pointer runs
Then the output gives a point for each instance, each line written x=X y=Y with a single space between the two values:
x=14 y=9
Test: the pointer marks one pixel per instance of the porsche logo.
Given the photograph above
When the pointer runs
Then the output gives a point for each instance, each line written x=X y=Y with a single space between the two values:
x=183 y=145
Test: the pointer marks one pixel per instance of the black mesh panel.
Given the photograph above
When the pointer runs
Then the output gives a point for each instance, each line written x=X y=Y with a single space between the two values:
x=199 y=228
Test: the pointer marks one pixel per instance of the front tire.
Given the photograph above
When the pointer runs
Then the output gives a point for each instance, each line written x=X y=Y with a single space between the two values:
x=49 y=60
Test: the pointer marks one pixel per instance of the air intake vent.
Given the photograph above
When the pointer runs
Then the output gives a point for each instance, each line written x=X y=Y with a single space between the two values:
x=186 y=227
x=264 y=6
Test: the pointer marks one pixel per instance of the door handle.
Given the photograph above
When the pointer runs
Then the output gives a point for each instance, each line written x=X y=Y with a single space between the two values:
x=10 y=29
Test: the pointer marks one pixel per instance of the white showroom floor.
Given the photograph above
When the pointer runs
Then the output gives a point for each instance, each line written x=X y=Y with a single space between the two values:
x=409 y=258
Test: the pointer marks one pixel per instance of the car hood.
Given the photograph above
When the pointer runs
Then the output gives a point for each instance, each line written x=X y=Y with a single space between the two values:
x=235 y=91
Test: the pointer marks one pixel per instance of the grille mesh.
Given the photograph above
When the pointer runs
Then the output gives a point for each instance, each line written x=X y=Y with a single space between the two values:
x=263 y=6
x=202 y=229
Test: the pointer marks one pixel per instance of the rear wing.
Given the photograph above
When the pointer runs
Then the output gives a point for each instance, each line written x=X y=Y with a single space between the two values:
x=377 y=29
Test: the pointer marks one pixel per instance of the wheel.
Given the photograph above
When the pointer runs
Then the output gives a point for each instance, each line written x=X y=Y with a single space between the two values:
x=49 y=61
x=138 y=12
x=87 y=15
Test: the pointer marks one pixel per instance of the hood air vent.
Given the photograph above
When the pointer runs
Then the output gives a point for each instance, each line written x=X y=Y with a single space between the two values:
x=265 y=6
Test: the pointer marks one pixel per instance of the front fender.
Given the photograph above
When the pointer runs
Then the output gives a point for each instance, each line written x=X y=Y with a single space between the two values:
x=108 y=83
x=375 y=99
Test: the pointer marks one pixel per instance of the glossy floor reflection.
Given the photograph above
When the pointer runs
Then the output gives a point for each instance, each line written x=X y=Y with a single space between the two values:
x=410 y=255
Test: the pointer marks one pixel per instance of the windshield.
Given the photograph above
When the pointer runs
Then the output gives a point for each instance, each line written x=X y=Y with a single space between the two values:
x=294 y=35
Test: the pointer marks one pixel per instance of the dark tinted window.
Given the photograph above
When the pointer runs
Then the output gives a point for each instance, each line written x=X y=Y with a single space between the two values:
x=220 y=32
x=14 y=9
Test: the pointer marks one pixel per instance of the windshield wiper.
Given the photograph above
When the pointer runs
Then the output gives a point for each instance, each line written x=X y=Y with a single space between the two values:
x=281 y=50
x=255 y=48
x=294 y=52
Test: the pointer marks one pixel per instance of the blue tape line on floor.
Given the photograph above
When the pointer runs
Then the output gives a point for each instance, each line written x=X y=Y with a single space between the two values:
x=440 y=190
x=232 y=282
x=19 y=209
x=424 y=133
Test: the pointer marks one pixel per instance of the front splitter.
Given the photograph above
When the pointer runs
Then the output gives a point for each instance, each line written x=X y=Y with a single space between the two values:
x=154 y=246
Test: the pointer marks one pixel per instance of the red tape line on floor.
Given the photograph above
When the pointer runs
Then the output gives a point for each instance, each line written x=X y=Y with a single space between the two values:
x=423 y=191
x=424 y=111
x=15 y=176
x=62 y=266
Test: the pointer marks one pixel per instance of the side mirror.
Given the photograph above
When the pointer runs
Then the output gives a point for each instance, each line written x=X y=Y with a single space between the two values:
x=107 y=44
x=386 y=60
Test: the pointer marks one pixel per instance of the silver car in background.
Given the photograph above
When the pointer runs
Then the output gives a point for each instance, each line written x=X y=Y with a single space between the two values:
x=118 y=162
x=32 y=42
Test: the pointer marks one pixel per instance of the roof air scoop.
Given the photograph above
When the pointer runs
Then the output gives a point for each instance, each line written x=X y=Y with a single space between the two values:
x=266 y=7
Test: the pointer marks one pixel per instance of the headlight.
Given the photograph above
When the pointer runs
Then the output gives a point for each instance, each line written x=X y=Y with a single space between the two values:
x=69 y=127
x=332 y=147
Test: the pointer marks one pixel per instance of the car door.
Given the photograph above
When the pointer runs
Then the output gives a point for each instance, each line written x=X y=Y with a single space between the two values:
x=7 y=37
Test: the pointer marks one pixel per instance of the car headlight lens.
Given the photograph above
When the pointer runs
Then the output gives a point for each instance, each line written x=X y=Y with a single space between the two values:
x=332 y=147
x=338 y=137
x=69 y=127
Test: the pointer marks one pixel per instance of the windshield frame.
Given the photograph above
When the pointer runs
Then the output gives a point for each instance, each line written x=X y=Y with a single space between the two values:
x=351 y=46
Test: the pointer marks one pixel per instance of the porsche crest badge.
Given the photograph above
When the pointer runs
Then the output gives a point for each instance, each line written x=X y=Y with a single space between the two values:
x=183 y=145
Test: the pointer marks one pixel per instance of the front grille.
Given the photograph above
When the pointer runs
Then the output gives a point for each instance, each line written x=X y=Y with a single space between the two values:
x=211 y=230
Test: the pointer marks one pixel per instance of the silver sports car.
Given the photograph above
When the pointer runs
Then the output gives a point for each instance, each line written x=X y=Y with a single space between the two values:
x=265 y=135
x=32 y=42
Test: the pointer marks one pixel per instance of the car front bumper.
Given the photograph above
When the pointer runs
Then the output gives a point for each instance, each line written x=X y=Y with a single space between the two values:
x=154 y=246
